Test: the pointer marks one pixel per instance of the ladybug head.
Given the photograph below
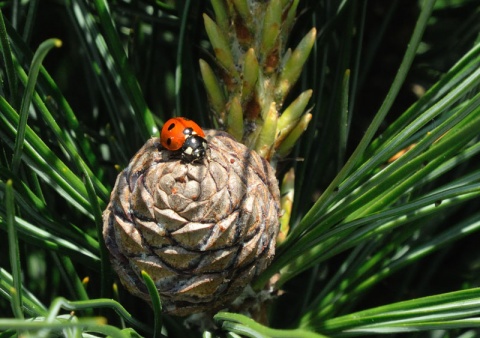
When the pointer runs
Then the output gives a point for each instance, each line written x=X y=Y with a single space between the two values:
x=194 y=149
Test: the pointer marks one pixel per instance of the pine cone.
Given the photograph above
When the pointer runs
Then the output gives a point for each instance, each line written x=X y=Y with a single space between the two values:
x=202 y=231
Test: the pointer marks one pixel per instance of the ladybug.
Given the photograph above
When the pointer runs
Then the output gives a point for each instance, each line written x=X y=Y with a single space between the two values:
x=185 y=137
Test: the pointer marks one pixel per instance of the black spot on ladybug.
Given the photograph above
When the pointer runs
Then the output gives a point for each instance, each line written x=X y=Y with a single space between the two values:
x=171 y=126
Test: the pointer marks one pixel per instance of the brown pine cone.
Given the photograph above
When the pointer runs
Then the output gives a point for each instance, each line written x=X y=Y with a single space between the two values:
x=202 y=231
